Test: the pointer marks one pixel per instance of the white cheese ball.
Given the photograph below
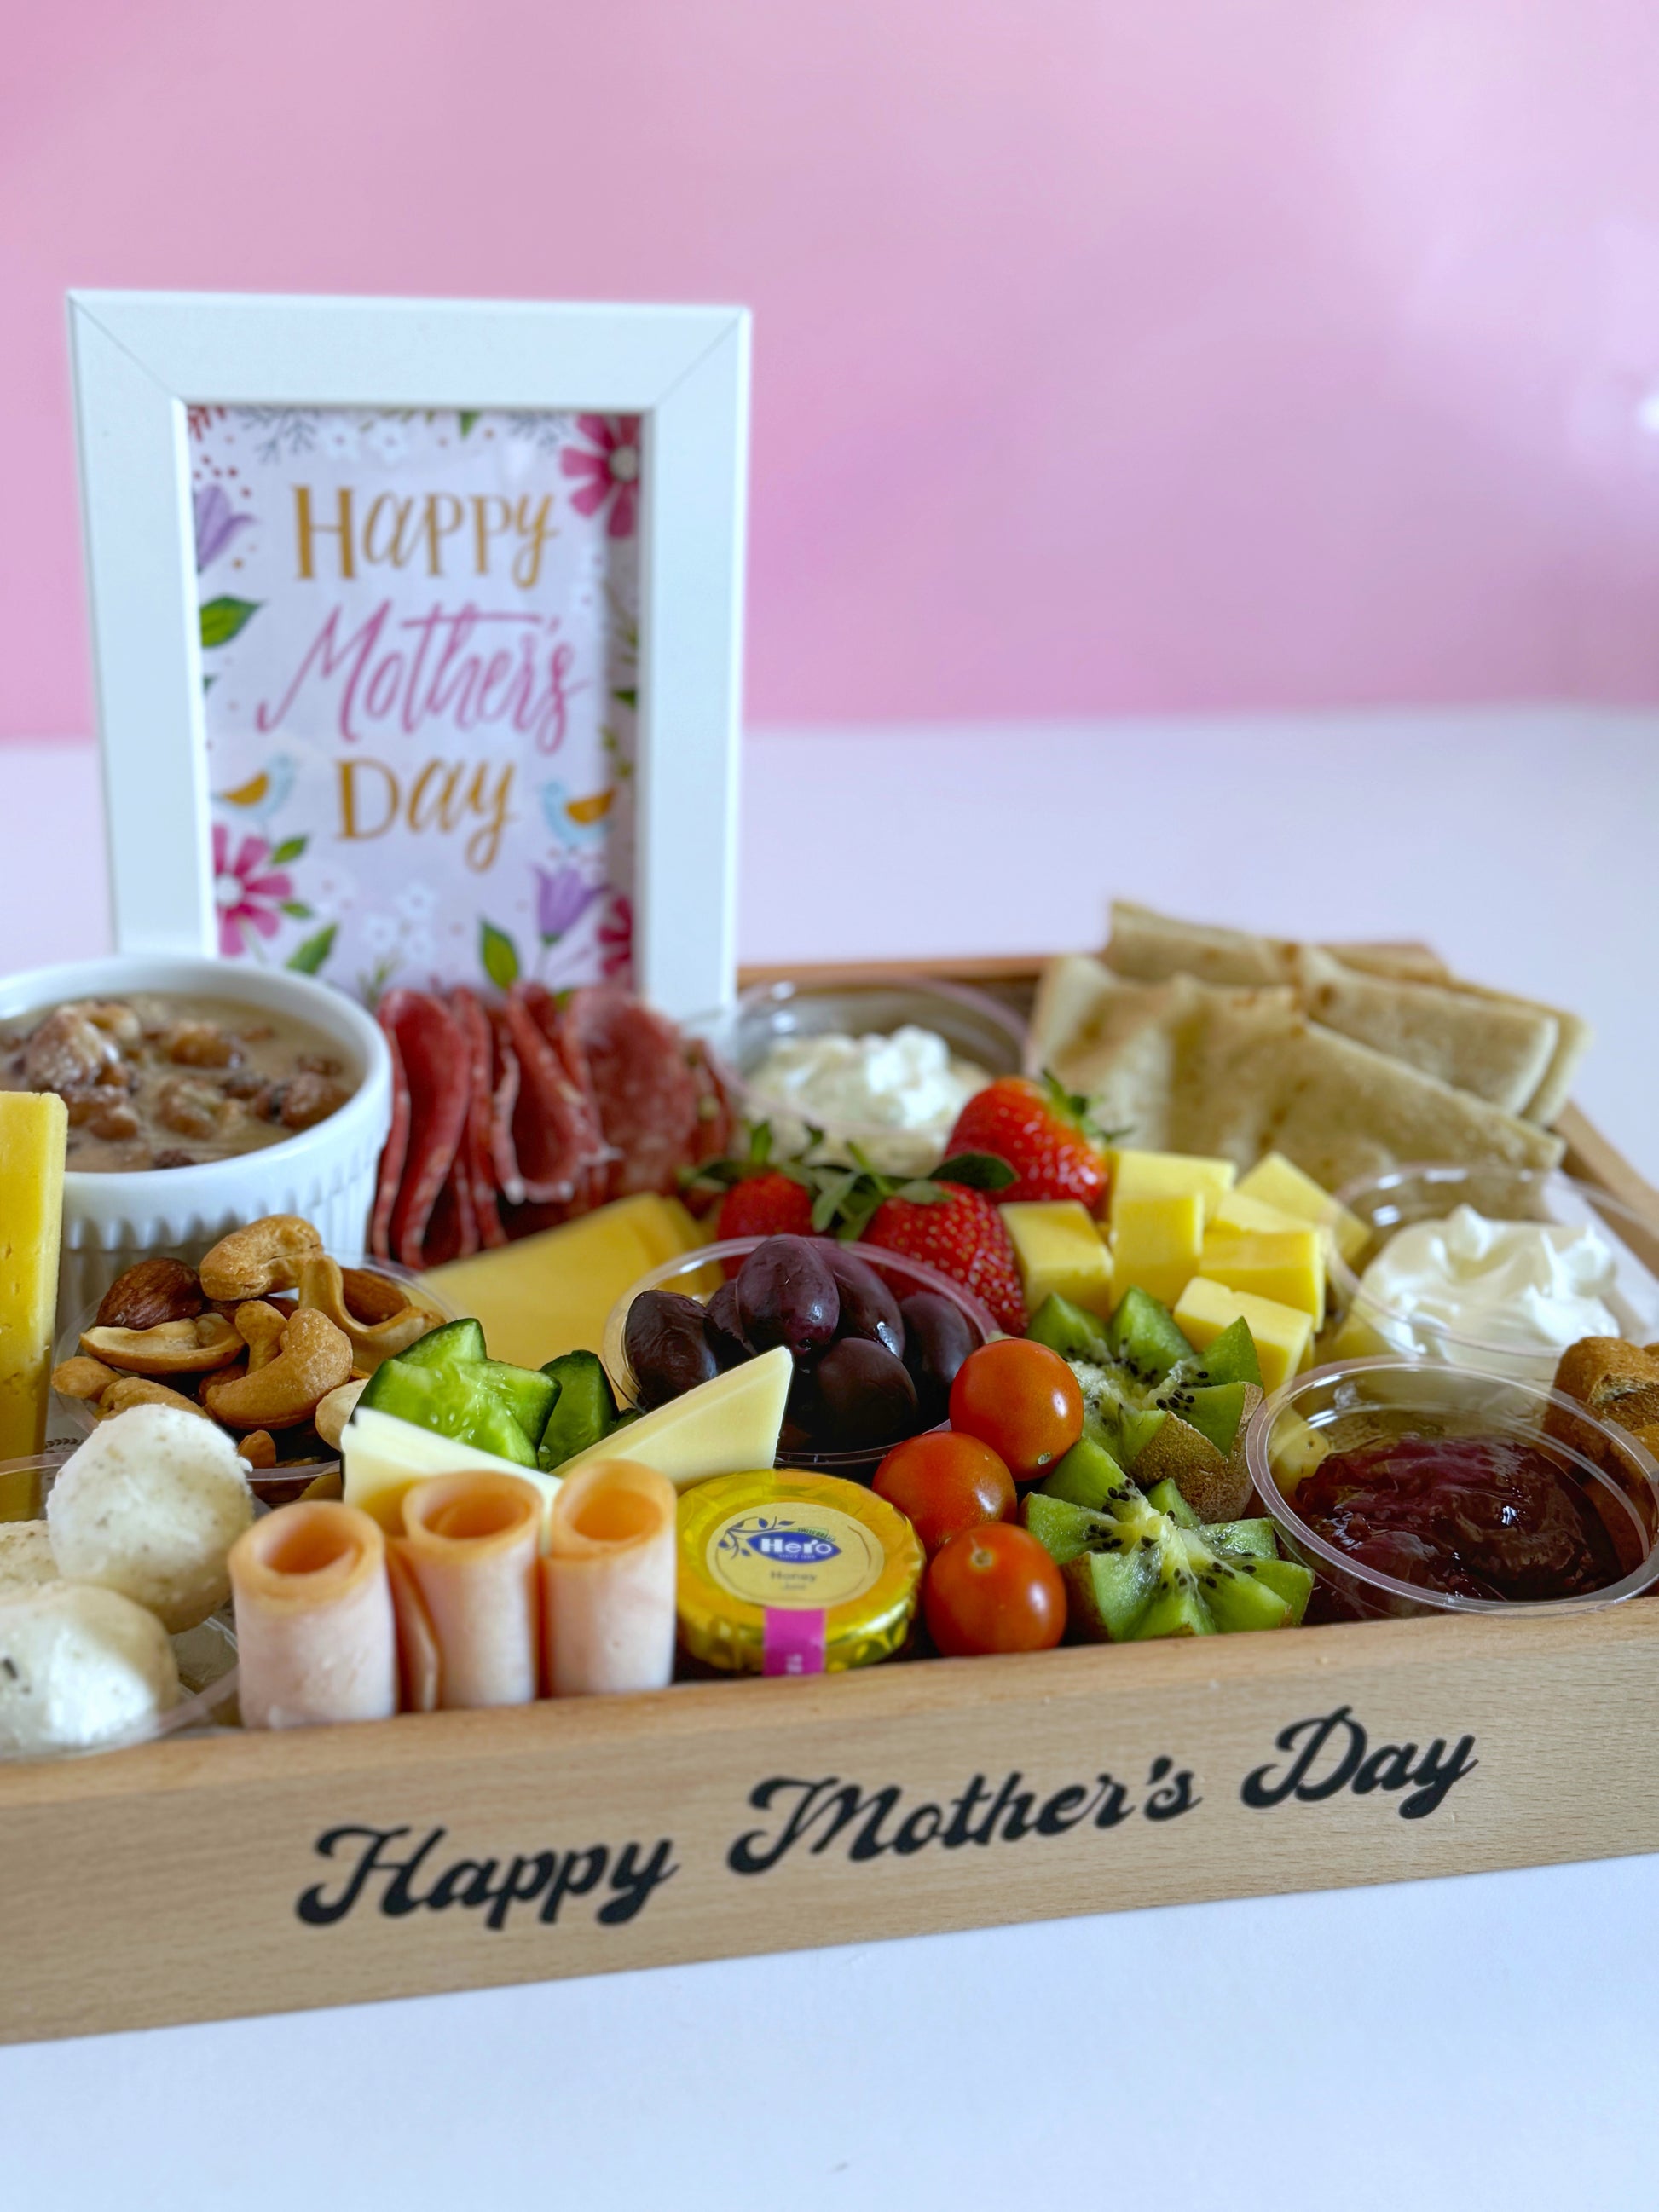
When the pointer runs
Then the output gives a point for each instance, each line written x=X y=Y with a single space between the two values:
x=149 y=1505
x=26 y=1560
x=80 y=1666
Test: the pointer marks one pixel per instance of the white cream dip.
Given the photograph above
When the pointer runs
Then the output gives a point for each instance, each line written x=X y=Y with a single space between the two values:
x=1534 y=1286
x=898 y=1095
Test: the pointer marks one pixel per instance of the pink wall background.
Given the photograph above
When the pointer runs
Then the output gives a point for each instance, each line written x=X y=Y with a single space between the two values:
x=1108 y=357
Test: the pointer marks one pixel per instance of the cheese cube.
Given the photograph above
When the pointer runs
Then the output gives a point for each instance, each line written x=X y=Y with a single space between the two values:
x=1295 y=1449
x=1277 y=1181
x=1357 y=1339
x=1060 y=1250
x=551 y=1293
x=1283 y=1337
x=33 y=1138
x=1156 y=1243
x=1240 y=1211
x=1169 y=1174
x=1288 y=1265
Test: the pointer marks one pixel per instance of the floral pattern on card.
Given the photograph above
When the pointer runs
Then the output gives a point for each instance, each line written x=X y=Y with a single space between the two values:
x=419 y=634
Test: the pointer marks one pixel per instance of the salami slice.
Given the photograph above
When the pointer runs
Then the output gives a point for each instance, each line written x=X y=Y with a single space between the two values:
x=648 y=1096
x=452 y=1230
x=477 y=1142
x=718 y=1118
x=435 y=1062
x=552 y=1141
x=396 y=1151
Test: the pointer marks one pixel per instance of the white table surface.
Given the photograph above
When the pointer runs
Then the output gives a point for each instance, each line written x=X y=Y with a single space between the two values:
x=1488 y=2041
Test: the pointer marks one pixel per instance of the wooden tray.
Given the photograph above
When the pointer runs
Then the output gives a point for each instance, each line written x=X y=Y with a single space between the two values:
x=208 y=1877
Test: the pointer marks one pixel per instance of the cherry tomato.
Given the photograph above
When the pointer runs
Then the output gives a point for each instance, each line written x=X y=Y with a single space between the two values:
x=994 y=1589
x=944 y=1483
x=1022 y=1399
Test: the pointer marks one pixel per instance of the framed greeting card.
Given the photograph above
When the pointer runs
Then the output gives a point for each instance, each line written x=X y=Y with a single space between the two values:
x=417 y=630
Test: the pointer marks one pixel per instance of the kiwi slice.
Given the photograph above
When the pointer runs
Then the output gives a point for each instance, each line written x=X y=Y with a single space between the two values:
x=1139 y=1567
x=1144 y=1338
x=1068 y=1329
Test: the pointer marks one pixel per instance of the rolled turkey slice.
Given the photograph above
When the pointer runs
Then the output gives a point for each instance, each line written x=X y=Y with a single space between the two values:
x=314 y=1632
x=470 y=1543
x=608 y=1582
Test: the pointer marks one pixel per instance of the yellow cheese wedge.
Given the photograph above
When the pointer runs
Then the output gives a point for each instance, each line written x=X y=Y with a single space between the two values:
x=384 y=1456
x=1287 y=1264
x=1169 y=1174
x=1060 y=1250
x=724 y=1427
x=1283 y=1337
x=1277 y=1182
x=550 y=1293
x=34 y=1137
x=1156 y=1243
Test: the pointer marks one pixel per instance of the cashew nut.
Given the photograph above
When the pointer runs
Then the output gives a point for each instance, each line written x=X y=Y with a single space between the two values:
x=172 y=1347
x=336 y=1410
x=260 y=1327
x=313 y=1359
x=82 y=1378
x=258 y=1448
x=371 y=1297
x=322 y=1287
x=264 y=1256
x=129 y=1390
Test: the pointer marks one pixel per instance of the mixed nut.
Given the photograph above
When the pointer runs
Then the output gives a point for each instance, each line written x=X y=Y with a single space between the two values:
x=160 y=1081
x=269 y=1337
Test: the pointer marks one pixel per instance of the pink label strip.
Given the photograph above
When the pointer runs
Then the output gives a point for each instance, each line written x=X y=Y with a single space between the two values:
x=793 y=1642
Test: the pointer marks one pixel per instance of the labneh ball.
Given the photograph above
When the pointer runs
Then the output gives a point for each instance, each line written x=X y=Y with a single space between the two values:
x=26 y=1560
x=80 y=1666
x=150 y=1506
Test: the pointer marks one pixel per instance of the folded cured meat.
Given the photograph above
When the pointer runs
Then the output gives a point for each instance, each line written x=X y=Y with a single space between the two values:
x=646 y=1093
x=476 y=1155
x=552 y=1142
x=470 y=1543
x=314 y=1632
x=608 y=1582
x=432 y=1059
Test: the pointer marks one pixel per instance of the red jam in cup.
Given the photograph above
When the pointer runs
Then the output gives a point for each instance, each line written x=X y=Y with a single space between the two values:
x=1480 y=1516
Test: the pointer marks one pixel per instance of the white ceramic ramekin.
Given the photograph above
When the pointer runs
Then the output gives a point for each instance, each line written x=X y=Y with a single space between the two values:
x=326 y=1173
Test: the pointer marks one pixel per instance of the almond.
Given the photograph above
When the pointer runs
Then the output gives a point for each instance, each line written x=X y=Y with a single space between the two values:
x=153 y=1292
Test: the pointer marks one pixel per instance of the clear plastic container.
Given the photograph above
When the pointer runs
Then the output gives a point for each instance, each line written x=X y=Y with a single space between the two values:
x=1358 y=1401
x=1385 y=1204
x=206 y=1654
x=976 y=1028
x=70 y=1419
x=699 y=1274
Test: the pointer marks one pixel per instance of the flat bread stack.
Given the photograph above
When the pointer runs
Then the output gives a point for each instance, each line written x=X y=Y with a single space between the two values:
x=1348 y=1058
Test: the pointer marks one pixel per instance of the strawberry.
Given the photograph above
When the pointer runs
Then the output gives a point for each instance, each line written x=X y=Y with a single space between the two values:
x=1042 y=1131
x=948 y=1222
x=771 y=1204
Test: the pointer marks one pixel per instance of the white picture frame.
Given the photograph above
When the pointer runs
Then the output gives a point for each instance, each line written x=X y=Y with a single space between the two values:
x=140 y=358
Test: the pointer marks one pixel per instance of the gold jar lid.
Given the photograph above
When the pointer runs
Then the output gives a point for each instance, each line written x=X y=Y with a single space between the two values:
x=784 y=1573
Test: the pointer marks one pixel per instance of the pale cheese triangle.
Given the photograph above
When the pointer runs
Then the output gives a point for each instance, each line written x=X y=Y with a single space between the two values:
x=384 y=1456
x=724 y=1427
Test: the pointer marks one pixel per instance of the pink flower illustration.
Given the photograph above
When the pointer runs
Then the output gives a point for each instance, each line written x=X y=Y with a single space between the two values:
x=612 y=473
x=243 y=894
x=616 y=936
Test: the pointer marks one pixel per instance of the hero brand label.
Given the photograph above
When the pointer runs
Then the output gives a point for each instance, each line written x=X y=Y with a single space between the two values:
x=399 y=1871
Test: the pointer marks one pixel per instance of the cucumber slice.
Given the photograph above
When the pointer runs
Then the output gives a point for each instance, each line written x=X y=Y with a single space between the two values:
x=527 y=1393
x=584 y=1410
x=440 y=1347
